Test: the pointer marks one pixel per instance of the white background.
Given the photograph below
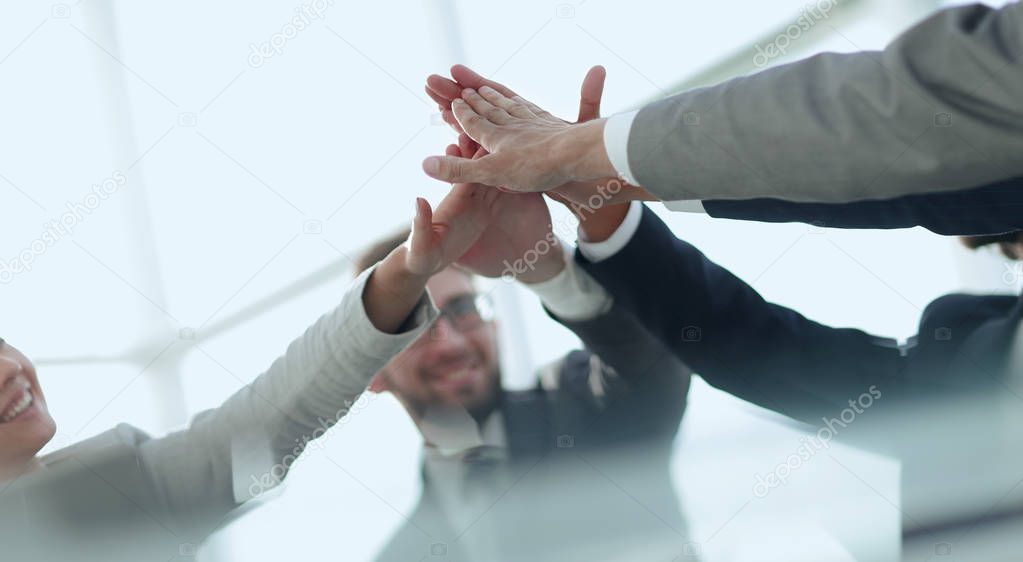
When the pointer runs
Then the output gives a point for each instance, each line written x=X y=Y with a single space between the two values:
x=243 y=180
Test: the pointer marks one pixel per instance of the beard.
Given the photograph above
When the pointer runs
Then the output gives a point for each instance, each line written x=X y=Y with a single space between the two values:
x=478 y=400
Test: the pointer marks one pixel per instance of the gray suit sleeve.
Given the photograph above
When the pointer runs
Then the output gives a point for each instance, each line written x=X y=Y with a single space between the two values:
x=246 y=446
x=939 y=109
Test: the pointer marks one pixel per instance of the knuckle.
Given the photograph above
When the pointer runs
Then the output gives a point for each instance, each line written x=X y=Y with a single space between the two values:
x=457 y=169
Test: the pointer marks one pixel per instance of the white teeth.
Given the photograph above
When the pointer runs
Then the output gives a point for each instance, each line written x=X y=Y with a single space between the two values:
x=18 y=407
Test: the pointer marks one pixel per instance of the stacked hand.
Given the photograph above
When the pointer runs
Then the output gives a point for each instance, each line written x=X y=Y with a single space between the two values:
x=496 y=232
x=519 y=231
x=520 y=240
x=498 y=226
x=437 y=239
x=483 y=230
x=526 y=148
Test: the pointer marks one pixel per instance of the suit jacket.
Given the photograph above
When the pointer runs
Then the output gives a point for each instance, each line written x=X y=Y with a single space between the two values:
x=938 y=109
x=586 y=473
x=987 y=210
x=775 y=357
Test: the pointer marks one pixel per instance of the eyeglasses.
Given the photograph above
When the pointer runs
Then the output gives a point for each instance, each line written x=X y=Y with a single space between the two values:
x=467 y=312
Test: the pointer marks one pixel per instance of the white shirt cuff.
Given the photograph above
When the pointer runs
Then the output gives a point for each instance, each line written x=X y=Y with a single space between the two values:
x=686 y=206
x=599 y=251
x=572 y=294
x=616 y=143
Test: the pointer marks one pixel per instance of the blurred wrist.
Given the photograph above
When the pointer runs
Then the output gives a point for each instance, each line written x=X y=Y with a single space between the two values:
x=392 y=291
x=397 y=276
x=599 y=225
x=546 y=268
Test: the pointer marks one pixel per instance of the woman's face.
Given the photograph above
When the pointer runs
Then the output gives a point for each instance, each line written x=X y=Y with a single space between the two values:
x=25 y=423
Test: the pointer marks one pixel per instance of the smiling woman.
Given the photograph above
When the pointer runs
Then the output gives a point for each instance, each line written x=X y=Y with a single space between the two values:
x=157 y=494
x=25 y=422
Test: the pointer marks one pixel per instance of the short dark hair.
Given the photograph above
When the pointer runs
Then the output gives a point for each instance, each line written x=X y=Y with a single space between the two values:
x=380 y=249
x=1005 y=242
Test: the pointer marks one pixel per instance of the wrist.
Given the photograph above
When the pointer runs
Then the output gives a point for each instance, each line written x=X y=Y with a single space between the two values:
x=581 y=150
x=602 y=223
x=396 y=276
x=546 y=268
x=392 y=292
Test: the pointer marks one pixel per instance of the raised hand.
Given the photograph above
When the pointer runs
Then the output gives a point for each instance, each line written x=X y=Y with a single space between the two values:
x=441 y=237
x=444 y=91
x=438 y=238
x=526 y=133
x=519 y=241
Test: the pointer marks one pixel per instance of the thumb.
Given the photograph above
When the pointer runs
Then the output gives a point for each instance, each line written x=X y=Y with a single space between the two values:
x=453 y=169
x=421 y=238
x=590 y=94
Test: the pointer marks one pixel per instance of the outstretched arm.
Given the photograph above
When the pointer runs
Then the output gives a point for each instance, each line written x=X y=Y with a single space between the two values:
x=937 y=110
x=632 y=383
x=247 y=446
x=726 y=332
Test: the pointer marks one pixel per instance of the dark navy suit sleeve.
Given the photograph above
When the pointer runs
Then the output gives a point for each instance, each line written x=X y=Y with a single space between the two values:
x=638 y=385
x=738 y=342
x=987 y=210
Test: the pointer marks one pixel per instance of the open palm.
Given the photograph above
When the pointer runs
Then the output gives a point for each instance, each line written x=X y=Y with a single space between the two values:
x=484 y=229
x=521 y=223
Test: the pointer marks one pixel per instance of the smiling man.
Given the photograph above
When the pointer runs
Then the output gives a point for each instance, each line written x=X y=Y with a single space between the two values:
x=528 y=474
x=126 y=495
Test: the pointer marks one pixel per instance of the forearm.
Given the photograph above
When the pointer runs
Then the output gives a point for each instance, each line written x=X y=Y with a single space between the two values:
x=392 y=291
x=597 y=225
x=726 y=332
x=638 y=377
x=569 y=292
x=937 y=110
x=990 y=209
x=573 y=295
x=247 y=445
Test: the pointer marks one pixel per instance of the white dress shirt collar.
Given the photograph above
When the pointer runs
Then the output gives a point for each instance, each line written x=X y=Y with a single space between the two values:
x=449 y=432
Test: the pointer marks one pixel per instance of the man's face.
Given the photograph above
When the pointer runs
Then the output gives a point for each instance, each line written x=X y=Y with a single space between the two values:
x=455 y=363
x=25 y=423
